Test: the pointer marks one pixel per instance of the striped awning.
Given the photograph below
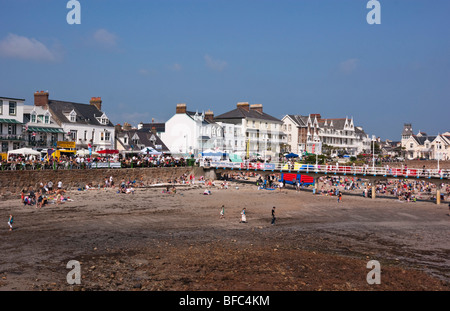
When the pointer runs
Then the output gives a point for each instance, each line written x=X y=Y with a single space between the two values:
x=10 y=121
x=45 y=129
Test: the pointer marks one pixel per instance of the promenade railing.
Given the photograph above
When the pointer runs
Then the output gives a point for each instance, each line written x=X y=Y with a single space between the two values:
x=331 y=169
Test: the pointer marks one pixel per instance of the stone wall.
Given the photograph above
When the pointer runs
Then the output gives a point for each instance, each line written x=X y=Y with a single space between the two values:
x=12 y=182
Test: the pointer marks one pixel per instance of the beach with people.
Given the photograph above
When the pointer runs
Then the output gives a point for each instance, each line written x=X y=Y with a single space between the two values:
x=169 y=237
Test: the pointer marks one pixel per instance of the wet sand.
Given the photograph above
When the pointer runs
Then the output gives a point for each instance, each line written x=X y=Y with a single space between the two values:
x=157 y=241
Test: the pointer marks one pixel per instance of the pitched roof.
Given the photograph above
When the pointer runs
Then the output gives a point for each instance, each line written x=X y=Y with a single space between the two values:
x=301 y=121
x=160 y=127
x=337 y=123
x=205 y=121
x=21 y=99
x=421 y=139
x=86 y=113
x=240 y=113
x=145 y=138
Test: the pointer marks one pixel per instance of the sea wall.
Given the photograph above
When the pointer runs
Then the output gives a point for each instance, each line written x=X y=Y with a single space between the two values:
x=12 y=182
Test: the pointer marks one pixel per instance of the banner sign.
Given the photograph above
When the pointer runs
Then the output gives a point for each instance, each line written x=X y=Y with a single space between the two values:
x=65 y=144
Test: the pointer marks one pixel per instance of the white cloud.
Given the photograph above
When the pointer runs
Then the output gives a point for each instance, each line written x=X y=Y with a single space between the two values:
x=15 y=46
x=144 y=72
x=349 y=65
x=215 y=64
x=176 y=67
x=105 y=38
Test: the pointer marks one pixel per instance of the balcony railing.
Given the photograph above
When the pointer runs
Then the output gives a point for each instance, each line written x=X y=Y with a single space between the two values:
x=11 y=137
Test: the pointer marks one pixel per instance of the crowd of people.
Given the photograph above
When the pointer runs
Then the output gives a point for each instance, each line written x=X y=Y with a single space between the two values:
x=44 y=194
x=18 y=162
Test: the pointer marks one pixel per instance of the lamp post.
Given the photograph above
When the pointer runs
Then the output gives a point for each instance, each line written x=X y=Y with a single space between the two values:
x=373 y=153
x=438 y=154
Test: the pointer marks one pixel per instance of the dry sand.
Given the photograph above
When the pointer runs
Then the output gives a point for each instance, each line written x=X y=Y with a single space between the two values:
x=156 y=241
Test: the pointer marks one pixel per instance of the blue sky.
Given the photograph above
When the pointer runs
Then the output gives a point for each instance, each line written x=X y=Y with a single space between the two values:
x=294 y=57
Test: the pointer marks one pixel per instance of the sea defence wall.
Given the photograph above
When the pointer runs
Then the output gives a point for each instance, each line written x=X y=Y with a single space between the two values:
x=12 y=182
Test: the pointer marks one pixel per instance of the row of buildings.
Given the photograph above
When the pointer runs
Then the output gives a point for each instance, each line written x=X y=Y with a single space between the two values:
x=243 y=131
x=423 y=146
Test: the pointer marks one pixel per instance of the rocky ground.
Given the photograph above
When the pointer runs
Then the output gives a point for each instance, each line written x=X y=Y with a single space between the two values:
x=154 y=241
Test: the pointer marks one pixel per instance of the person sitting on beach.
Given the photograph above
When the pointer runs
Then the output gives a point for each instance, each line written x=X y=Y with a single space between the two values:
x=129 y=190
x=39 y=201
x=207 y=192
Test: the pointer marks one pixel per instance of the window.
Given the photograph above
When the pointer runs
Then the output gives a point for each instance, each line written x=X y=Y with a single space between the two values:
x=46 y=119
x=85 y=135
x=411 y=145
x=12 y=129
x=1 y=107
x=73 y=135
x=12 y=108
x=107 y=136
x=125 y=139
x=33 y=118
x=102 y=136
x=73 y=116
x=289 y=127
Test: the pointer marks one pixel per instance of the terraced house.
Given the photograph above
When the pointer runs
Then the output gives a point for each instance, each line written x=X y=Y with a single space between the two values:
x=84 y=124
x=11 y=123
x=312 y=133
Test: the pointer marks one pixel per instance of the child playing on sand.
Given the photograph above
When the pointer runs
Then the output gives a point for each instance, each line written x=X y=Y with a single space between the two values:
x=222 y=212
x=10 y=222
x=243 y=216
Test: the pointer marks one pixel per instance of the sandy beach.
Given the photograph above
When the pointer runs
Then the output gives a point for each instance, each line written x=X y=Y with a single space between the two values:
x=152 y=241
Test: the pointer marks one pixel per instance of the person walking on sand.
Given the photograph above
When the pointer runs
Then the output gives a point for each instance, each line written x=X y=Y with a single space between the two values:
x=10 y=222
x=222 y=212
x=243 y=216
x=273 y=216
x=340 y=197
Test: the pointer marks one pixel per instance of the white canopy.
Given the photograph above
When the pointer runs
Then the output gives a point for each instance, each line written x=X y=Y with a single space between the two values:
x=84 y=152
x=150 y=151
x=24 y=151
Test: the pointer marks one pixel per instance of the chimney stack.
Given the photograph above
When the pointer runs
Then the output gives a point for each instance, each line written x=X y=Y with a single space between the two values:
x=97 y=102
x=257 y=107
x=181 y=108
x=316 y=115
x=209 y=115
x=126 y=126
x=153 y=130
x=41 y=99
x=244 y=106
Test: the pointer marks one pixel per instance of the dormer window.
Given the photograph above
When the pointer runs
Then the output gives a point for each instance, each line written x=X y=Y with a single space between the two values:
x=73 y=116
x=33 y=117
x=103 y=119
x=47 y=118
